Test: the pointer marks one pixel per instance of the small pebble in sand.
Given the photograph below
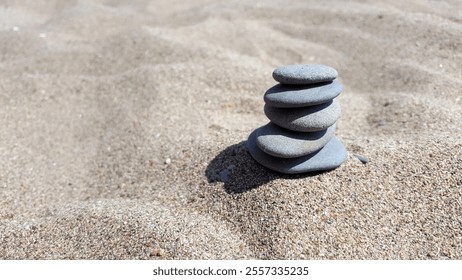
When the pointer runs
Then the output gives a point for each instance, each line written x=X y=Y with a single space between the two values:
x=168 y=161
x=224 y=174
x=361 y=158
x=303 y=114
x=157 y=252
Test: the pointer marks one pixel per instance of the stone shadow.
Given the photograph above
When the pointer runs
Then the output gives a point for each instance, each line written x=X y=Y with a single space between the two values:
x=235 y=167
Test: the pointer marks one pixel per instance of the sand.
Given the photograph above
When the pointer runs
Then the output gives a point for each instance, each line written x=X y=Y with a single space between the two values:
x=120 y=120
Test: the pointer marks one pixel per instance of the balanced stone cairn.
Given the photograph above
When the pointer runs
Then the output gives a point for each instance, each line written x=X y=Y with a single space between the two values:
x=303 y=113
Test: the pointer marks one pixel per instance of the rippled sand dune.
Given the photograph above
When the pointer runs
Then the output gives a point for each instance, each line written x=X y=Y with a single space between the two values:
x=123 y=128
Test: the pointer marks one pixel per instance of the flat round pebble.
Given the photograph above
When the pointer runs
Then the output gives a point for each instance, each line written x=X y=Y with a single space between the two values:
x=284 y=143
x=305 y=119
x=330 y=157
x=284 y=96
x=361 y=158
x=304 y=74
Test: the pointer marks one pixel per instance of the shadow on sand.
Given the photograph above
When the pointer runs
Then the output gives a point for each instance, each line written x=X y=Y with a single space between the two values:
x=235 y=167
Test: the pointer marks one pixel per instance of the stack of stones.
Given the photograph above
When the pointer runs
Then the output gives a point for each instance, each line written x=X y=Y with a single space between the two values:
x=303 y=113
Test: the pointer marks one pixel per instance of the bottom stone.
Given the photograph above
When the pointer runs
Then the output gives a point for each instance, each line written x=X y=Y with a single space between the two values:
x=331 y=156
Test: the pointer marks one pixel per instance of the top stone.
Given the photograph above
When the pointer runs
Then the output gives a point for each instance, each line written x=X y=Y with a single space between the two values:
x=304 y=74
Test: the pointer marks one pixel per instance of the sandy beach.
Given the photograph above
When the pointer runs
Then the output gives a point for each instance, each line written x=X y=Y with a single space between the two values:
x=123 y=128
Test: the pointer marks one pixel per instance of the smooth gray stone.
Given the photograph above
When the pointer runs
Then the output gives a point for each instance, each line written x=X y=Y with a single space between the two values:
x=330 y=157
x=283 y=143
x=305 y=119
x=304 y=74
x=284 y=96
x=361 y=158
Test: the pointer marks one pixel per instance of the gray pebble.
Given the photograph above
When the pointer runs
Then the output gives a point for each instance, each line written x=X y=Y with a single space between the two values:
x=361 y=158
x=224 y=174
x=303 y=74
x=305 y=119
x=284 y=143
x=330 y=157
x=283 y=96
